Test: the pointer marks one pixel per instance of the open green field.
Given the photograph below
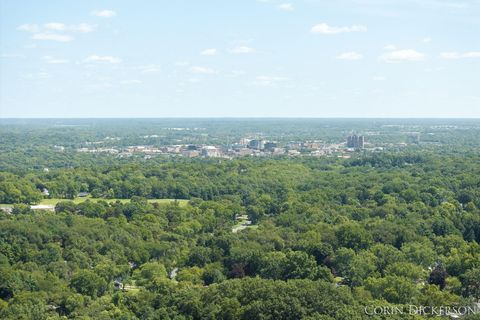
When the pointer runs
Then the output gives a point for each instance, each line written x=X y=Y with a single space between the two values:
x=54 y=201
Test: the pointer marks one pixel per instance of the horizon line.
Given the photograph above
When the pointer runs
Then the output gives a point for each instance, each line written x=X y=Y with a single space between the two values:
x=237 y=117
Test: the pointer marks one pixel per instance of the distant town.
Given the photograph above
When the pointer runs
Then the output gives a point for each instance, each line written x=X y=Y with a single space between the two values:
x=243 y=147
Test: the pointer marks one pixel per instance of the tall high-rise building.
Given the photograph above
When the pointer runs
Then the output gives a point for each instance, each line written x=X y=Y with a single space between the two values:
x=256 y=144
x=270 y=145
x=355 y=142
x=361 y=142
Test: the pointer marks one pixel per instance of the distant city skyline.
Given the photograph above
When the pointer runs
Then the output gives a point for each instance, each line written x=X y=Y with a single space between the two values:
x=249 y=58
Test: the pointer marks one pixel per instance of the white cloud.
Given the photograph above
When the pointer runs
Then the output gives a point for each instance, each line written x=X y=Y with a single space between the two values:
x=349 y=56
x=450 y=55
x=55 y=26
x=203 y=70
x=459 y=55
x=149 y=69
x=473 y=54
x=29 y=27
x=103 y=59
x=52 y=37
x=52 y=60
x=55 y=31
x=268 y=80
x=403 y=55
x=286 y=7
x=83 y=28
x=104 y=13
x=243 y=50
x=209 y=52
x=427 y=40
x=324 y=28
x=12 y=55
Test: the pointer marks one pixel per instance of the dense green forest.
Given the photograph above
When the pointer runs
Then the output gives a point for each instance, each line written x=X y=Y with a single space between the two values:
x=330 y=238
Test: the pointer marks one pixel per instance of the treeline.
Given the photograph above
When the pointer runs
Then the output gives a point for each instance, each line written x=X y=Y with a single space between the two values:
x=427 y=178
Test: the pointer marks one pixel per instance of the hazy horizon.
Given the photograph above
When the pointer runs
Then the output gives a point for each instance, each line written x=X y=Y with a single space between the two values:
x=240 y=118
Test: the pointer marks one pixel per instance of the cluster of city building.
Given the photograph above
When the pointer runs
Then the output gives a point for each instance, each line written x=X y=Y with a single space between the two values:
x=244 y=147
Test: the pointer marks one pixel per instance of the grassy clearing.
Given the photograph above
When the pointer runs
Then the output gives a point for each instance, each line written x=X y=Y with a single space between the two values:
x=53 y=202
x=242 y=224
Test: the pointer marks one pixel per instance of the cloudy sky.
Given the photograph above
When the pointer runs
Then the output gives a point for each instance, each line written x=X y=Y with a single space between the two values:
x=240 y=58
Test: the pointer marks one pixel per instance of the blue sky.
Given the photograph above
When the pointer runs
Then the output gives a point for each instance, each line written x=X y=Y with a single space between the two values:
x=240 y=58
